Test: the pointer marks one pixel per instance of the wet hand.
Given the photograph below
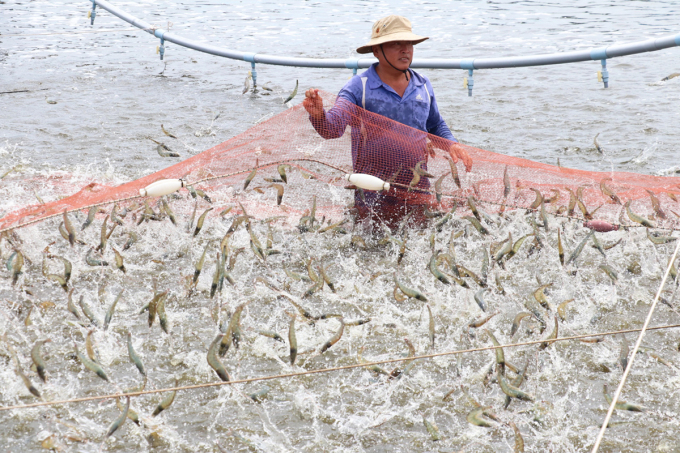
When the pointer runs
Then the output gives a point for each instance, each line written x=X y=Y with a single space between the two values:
x=457 y=151
x=313 y=103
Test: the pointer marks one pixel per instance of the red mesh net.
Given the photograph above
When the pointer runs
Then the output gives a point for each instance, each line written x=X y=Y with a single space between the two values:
x=394 y=152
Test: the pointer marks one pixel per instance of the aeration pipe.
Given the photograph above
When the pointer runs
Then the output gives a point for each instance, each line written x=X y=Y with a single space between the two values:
x=599 y=53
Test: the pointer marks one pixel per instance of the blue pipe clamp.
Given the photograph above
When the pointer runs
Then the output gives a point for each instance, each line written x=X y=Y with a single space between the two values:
x=470 y=82
x=251 y=58
x=601 y=54
x=93 y=13
x=469 y=64
x=605 y=73
x=353 y=64
x=159 y=34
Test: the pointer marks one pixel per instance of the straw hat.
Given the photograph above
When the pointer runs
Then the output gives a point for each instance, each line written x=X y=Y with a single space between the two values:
x=391 y=28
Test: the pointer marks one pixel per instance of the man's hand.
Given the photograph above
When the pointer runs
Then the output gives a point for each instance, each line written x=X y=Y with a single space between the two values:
x=458 y=152
x=313 y=103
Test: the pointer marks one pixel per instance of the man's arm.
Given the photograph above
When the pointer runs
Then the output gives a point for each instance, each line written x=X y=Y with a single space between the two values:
x=437 y=126
x=331 y=124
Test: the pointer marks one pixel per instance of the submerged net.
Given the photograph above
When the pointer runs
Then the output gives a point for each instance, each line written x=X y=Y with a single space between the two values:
x=390 y=150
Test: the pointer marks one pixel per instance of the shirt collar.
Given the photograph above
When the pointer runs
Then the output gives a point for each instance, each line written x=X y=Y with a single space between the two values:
x=374 y=80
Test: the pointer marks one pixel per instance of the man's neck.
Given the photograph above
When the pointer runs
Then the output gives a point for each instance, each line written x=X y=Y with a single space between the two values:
x=393 y=78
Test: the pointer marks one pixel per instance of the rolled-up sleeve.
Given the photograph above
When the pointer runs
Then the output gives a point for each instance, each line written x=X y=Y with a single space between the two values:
x=335 y=120
x=435 y=123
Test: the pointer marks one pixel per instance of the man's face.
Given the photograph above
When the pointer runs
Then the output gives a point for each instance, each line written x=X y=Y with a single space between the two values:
x=399 y=53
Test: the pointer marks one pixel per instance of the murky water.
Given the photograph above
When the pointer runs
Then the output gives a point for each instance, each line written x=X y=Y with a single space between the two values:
x=112 y=93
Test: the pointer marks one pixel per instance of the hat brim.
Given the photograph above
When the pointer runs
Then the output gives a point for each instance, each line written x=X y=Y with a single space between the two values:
x=400 y=36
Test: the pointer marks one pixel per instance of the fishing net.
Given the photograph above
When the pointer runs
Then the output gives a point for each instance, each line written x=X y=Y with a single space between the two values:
x=389 y=150
x=474 y=284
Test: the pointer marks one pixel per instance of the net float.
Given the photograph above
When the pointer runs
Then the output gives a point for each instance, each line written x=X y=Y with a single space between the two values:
x=162 y=187
x=600 y=226
x=367 y=182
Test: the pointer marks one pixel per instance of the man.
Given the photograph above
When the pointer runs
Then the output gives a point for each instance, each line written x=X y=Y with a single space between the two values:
x=380 y=148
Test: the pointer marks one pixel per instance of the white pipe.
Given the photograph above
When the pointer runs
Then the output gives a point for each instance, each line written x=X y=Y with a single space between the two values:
x=614 y=50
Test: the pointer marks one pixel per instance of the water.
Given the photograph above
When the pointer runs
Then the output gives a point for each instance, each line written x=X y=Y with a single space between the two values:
x=111 y=96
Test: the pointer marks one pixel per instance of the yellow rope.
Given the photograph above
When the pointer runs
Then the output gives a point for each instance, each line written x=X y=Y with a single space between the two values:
x=325 y=370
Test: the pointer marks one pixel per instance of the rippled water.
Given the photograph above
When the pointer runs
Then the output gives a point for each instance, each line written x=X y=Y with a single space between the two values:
x=112 y=92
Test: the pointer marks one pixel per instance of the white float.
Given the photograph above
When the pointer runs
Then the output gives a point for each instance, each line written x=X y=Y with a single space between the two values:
x=367 y=182
x=162 y=187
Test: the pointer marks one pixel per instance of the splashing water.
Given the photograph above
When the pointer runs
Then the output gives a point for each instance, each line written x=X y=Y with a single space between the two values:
x=355 y=409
